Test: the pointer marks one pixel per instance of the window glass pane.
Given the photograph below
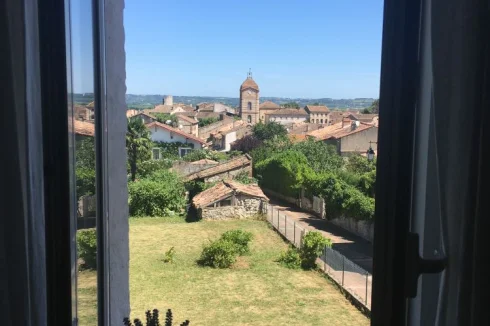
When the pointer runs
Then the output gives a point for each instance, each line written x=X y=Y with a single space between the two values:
x=298 y=177
x=82 y=108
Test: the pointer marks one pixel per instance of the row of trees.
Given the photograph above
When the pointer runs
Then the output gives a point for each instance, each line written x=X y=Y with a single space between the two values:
x=347 y=185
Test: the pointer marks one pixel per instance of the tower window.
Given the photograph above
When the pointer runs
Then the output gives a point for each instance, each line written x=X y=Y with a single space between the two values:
x=249 y=118
x=249 y=105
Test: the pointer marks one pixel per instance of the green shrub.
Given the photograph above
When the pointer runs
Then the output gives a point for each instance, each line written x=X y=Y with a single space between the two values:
x=147 y=168
x=284 y=172
x=312 y=246
x=85 y=181
x=218 y=254
x=169 y=255
x=240 y=238
x=171 y=150
x=87 y=248
x=161 y=194
x=291 y=258
x=245 y=178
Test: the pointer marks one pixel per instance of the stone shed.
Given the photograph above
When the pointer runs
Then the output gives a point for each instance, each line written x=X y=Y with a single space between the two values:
x=230 y=200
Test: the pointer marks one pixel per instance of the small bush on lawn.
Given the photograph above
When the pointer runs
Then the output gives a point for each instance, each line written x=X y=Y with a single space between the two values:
x=218 y=254
x=240 y=238
x=153 y=319
x=312 y=246
x=291 y=258
x=87 y=248
x=169 y=255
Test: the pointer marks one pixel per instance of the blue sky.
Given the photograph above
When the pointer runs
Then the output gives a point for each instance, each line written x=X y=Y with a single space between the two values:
x=308 y=48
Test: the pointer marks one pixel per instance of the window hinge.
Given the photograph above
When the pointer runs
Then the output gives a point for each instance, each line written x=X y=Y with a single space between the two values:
x=415 y=265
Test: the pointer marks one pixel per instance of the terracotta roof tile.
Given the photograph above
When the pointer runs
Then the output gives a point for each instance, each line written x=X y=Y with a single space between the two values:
x=187 y=119
x=232 y=164
x=83 y=128
x=249 y=83
x=317 y=109
x=175 y=130
x=223 y=190
x=268 y=105
x=336 y=131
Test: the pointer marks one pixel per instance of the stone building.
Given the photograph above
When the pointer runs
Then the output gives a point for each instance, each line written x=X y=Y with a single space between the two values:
x=230 y=200
x=348 y=136
x=249 y=100
x=265 y=107
x=286 y=116
x=318 y=114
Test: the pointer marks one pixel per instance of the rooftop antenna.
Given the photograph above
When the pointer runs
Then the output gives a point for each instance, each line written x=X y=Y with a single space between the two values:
x=249 y=73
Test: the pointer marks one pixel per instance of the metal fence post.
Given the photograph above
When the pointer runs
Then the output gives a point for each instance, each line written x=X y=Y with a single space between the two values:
x=294 y=235
x=325 y=259
x=367 y=276
x=285 y=226
x=343 y=269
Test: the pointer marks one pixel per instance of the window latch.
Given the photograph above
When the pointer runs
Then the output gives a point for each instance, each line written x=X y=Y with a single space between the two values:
x=415 y=265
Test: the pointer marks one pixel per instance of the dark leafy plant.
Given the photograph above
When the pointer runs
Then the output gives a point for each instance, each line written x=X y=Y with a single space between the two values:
x=240 y=238
x=291 y=258
x=164 y=117
x=269 y=130
x=245 y=178
x=169 y=255
x=153 y=319
x=312 y=246
x=87 y=248
x=246 y=144
x=218 y=254
x=138 y=145
x=161 y=194
x=207 y=121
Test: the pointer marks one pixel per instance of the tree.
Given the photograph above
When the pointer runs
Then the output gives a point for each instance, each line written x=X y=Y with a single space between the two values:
x=85 y=166
x=359 y=164
x=246 y=144
x=164 y=117
x=292 y=105
x=322 y=157
x=374 y=108
x=207 y=121
x=269 y=130
x=138 y=145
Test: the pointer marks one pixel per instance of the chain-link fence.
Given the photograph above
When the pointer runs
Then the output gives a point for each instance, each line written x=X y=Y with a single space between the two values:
x=351 y=277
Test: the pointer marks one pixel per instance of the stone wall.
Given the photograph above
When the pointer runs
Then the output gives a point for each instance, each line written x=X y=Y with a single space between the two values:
x=362 y=228
x=245 y=207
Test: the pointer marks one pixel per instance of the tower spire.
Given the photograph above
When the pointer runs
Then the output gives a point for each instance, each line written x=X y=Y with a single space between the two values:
x=249 y=73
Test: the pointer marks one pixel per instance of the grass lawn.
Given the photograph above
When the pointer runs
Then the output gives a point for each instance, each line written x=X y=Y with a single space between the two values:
x=256 y=291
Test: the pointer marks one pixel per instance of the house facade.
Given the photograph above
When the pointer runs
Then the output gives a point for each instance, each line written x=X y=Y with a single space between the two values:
x=164 y=133
x=318 y=114
x=265 y=107
x=230 y=200
x=286 y=116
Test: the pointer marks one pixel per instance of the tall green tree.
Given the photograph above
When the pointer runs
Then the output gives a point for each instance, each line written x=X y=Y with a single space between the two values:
x=269 y=130
x=321 y=157
x=138 y=144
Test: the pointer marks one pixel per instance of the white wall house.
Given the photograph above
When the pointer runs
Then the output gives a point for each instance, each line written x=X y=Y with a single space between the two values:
x=165 y=133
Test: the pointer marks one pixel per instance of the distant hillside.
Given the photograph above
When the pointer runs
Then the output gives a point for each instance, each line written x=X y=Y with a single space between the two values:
x=146 y=101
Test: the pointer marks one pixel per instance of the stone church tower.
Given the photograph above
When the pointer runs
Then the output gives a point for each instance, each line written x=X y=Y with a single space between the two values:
x=249 y=100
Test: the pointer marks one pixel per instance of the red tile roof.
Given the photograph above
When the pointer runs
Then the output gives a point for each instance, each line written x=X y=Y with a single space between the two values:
x=249 y=83
x=241 y=161
x=83 y=128
x=317 y=109
x=225 y=189
x=175 y=130
x=268 y=105
x=336 y=131
x=186 y=118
